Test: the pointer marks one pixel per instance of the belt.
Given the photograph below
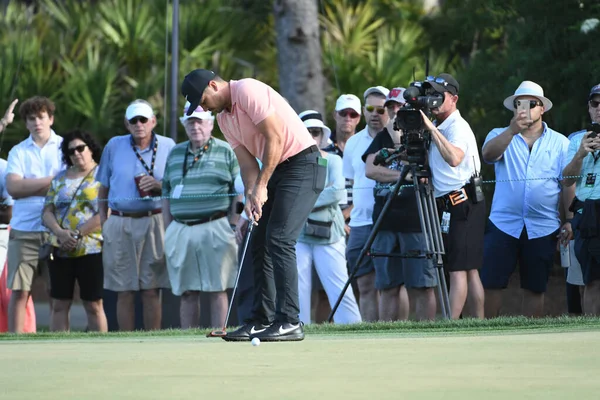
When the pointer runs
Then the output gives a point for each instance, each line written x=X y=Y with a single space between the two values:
x=136 y=214
x=217 y=215
x=308 y=150
x=454 y=198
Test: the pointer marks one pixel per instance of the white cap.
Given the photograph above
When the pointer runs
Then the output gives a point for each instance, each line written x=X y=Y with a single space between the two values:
x=314 y=119
x=397 y=95
x=376 y=89
x=198 y=113
x=348 y=101
x=139 y=110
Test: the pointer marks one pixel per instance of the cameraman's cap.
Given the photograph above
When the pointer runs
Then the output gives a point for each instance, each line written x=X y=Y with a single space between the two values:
x=447 y=84
x=197 y=113
x=314 y=119
x=138 y=110
x=193 y=87
x=528 y=88
x=348 y=101
x=397 y=95
x=595 y=90
x=376 y=89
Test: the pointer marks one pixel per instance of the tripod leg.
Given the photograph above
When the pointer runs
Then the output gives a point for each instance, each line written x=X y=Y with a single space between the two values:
x=439 y=246
x=370 y=240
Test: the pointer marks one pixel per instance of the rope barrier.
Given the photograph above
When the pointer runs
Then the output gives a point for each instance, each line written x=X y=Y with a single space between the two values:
x=40 y=199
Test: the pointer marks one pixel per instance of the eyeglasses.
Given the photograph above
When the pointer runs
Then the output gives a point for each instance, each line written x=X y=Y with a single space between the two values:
x=532 y=103
x=315 y=131
x=594 y=103
x=78 y=149
x=441 y=81
x=134 y=121
x=380 y=110
x=352 y=114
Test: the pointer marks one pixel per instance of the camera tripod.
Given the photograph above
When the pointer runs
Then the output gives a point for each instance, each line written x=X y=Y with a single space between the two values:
x=430 y=227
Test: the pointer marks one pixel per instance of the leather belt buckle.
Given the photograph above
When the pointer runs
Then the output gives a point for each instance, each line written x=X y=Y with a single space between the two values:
x=458 y=196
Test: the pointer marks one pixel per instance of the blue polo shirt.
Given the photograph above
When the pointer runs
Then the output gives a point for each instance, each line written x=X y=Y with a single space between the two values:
x=528 y=184
x=588 y=166
x=119 y=165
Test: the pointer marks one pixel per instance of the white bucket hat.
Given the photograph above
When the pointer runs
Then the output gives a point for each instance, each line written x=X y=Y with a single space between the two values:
x=314 y=119
x=528 y=88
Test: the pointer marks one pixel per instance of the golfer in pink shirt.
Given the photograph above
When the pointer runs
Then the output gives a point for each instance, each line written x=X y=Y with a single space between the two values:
x=259 y=124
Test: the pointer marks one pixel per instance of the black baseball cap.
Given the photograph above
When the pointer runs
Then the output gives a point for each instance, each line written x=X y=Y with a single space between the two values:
x=443 y=83
x=193 y=87
x=595 y=90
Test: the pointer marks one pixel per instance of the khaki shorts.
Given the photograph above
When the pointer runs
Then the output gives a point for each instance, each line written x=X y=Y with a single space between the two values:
x=133 y=253
x=24 y=263
x=201 y=257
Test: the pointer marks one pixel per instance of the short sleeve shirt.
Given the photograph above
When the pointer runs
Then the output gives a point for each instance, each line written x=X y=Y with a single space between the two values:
x=253 y=101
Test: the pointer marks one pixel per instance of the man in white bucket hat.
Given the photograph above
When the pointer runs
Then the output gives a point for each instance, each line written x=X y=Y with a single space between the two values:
x=524 y=222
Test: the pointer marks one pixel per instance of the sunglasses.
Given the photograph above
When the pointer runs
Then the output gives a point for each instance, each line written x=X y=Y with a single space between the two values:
x=134 y=121
x=78 y=149
x=594 y=103
x=315 y=131
x=380 y=110
x=532 y=103
x=352 y=114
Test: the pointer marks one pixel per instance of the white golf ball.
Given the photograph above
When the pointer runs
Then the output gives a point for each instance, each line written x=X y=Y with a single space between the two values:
x=256 y=342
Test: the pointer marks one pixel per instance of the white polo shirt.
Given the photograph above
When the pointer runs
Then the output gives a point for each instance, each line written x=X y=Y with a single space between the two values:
x=362 y=189
x=445 y=178
x=27 y=160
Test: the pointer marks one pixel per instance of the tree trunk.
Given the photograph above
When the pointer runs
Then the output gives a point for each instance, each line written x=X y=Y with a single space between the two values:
x=299 y=54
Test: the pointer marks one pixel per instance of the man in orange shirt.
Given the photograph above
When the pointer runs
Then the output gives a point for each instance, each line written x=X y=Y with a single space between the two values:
x=259 y=124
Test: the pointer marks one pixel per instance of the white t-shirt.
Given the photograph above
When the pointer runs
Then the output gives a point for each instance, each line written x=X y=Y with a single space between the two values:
x=27 y=160
x=362 y=189
x=445 y=178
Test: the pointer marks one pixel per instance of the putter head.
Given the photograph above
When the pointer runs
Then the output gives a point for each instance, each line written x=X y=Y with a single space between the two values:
x=217 y=333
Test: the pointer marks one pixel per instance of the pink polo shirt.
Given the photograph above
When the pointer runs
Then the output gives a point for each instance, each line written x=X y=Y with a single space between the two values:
x=251 y=102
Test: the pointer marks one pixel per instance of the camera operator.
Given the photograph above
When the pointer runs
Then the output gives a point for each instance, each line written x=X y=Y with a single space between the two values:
x=524 y=221
x=453 y=160
x=582 y=156
x=361 y=220
x=400 y=231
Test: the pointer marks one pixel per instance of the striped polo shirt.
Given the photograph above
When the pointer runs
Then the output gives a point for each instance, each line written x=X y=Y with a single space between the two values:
x=208 y=186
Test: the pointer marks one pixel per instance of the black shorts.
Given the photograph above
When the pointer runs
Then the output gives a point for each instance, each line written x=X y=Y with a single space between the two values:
x=463 y=244
x=86 y=270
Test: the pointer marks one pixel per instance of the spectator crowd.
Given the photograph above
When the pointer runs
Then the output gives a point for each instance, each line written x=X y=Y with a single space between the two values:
x=145 y=214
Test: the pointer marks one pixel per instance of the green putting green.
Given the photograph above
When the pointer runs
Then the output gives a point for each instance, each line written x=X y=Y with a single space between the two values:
x=554 y=363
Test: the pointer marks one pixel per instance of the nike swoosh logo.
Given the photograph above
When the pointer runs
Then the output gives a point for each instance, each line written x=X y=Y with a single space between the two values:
x=283 y=331
x=253 y=331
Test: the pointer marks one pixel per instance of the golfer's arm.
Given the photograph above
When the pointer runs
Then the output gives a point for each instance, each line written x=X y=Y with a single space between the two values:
x=271 y=128
x=249 y=168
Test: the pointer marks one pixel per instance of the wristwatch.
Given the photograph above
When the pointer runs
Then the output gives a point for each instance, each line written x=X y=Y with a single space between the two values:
x=77 y=235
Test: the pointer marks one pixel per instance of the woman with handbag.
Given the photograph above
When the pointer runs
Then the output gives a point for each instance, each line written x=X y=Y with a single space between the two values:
x=71 y=214
x=323 y=240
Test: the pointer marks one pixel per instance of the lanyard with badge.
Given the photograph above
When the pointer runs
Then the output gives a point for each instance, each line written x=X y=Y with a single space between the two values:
x=185 y=169
x=149 y=170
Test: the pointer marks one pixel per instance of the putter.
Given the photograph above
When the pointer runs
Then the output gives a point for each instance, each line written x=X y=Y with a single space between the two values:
x=223 y=332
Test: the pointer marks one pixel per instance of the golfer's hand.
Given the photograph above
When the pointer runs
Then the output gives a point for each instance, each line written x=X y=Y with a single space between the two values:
x=255 y=202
